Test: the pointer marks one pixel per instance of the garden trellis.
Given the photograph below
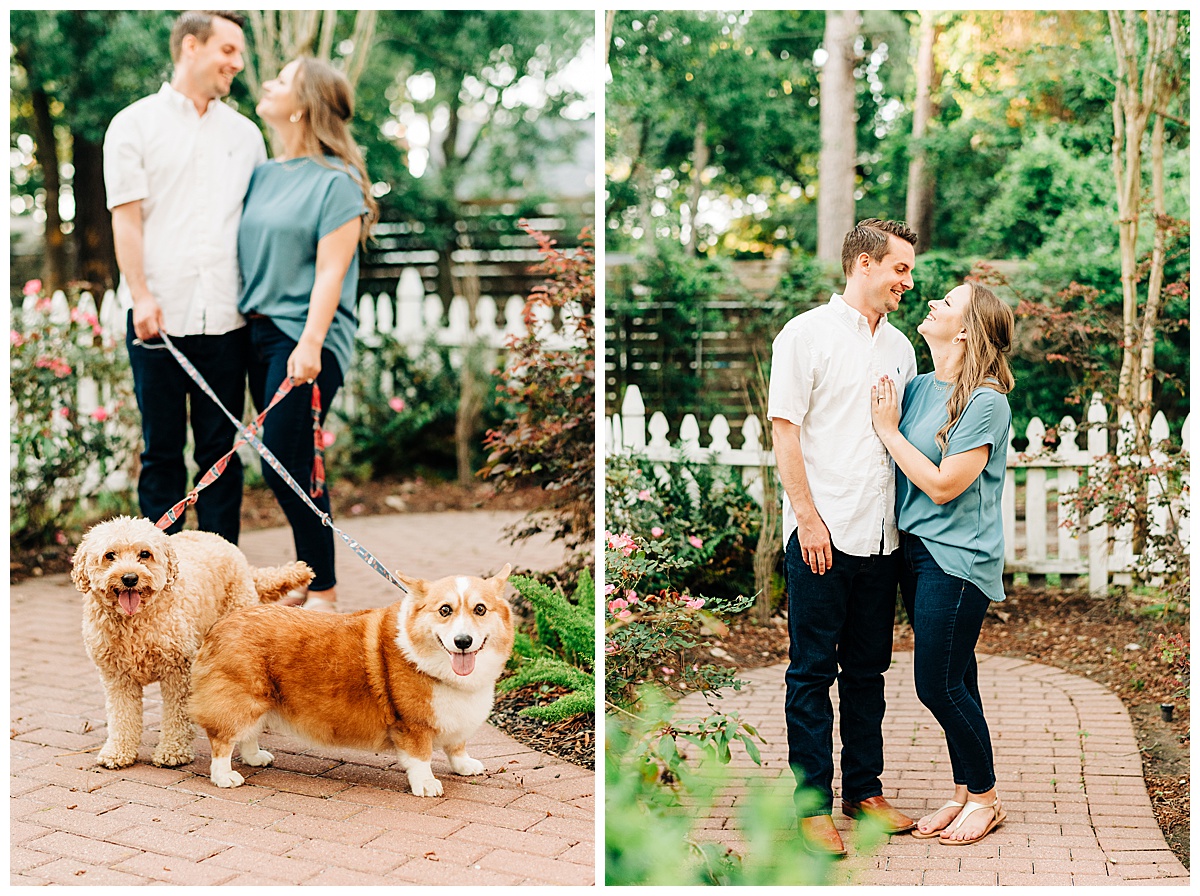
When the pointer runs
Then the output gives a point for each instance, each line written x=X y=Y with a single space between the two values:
x=1040 y=547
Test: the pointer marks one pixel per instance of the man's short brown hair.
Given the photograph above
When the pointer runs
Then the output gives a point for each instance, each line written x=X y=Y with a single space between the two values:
x=199 y=22
x=871 y=236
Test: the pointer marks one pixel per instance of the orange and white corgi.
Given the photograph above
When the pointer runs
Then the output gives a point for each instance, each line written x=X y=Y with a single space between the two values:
x=412 y=677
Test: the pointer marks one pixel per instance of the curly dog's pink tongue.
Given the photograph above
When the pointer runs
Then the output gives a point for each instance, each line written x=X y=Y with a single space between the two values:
x=462 y=663
x=130 y=601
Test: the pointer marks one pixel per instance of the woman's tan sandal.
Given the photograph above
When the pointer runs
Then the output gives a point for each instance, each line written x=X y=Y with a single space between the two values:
x=320 y=605
x=931 y=835
x=294 y=598
x=998 y=817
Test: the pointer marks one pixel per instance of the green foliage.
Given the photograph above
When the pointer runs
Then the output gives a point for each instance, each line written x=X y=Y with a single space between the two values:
x=652 y=636
x=561 y=649
x=1041 y=184
x=662 y=775
x=548 y=439
x=699 y=512
x=402 y=410
x=59 y=455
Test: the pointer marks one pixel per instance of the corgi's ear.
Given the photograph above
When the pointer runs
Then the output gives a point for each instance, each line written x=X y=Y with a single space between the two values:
x=502 y=575
x=412 y=585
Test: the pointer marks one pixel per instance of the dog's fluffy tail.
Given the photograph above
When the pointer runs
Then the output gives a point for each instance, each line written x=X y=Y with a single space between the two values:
x=274 y=582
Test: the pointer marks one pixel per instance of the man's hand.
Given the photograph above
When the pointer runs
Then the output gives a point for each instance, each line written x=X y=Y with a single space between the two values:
x=147 y=318
x=816 y=548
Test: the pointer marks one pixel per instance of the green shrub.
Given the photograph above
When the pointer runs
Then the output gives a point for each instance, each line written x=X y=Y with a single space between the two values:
x=401 y=415
x=562 y=653
x=53 y=445
x=701 y=512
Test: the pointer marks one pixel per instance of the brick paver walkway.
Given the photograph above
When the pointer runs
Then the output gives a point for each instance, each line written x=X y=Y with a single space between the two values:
x=1068 y=769
x=315 y=816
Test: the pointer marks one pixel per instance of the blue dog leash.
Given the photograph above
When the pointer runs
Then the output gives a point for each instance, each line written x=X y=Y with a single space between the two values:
x=249 y=437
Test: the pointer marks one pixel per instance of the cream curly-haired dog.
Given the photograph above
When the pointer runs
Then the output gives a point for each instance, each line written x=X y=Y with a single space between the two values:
x=149 y=600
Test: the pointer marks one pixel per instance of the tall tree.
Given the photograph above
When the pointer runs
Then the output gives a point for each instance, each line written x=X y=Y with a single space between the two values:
x=919 y=201
x=835 y=194
x=1149 y=70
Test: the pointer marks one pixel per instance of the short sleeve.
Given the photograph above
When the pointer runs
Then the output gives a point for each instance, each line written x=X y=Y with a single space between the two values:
x=985 y=421
x=343 y=202
x=125 y=177
x=791 y=384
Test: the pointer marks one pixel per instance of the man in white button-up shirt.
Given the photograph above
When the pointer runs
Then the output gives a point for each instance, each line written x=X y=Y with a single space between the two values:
x=176 y=168
x=840 y=535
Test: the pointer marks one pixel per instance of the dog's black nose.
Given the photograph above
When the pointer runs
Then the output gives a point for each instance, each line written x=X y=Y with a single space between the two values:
x=129 y=580
x=462 y=642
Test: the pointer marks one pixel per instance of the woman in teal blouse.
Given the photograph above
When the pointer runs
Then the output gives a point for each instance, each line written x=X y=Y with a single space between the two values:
x=306 y=213
x=950 y=449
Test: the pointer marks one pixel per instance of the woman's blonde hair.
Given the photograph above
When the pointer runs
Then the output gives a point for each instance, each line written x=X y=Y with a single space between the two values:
x=327 y=101
x=988 y=323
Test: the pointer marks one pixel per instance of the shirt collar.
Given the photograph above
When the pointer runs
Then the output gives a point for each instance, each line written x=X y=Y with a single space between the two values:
x=852 y=316
x=181 y=102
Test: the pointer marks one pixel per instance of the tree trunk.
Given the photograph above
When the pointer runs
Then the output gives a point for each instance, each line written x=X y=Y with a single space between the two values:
x=919 y=201
x=609 y=16
x=97 y=259
x=55 y=262
x=699 y=163
x=836 y=170
x=1144 y=87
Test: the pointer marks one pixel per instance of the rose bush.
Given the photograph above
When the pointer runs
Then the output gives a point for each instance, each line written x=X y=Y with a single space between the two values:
x=61 y=454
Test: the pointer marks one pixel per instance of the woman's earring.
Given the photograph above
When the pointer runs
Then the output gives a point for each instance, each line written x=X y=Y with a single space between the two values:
x=295 y=117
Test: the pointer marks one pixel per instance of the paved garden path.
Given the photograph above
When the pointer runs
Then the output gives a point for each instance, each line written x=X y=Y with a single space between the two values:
x=1069 y=777
x=317 y=816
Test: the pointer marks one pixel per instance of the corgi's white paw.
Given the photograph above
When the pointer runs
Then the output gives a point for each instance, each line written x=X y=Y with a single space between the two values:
x=222 y=775
x=430 y=786
x=258 y=758
x=465 y=765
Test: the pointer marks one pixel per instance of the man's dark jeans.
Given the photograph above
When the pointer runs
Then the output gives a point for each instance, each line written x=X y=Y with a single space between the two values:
x=840 y=625
x=947 y=613
x=164 y=390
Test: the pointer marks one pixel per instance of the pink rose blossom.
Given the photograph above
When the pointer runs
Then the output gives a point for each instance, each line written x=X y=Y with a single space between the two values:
x=397 y=405
x=610 y=648
x=695 y=603
x=667 y=670
x=32 y=287
x=609 y=588
x=15 y=338
x=100 y=415
x=623 y=543
x=644 y=495
x=327 y=438
x=656 y=531
x=695 y=541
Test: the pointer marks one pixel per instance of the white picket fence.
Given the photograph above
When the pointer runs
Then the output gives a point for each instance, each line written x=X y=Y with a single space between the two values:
x=1043 y=545
x=412 y=317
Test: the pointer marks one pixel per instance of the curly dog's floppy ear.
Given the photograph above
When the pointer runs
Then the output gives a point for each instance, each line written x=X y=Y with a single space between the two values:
x=168 y=551
x=80 y=564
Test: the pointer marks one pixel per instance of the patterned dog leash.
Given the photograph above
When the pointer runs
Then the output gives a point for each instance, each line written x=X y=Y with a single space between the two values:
x=249 y=437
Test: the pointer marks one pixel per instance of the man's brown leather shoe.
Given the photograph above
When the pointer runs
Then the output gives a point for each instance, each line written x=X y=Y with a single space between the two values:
x=820 y=836
x=893 y=820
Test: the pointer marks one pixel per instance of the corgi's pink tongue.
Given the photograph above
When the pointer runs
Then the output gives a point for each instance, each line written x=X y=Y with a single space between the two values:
x=462 y=663
x=129 y=600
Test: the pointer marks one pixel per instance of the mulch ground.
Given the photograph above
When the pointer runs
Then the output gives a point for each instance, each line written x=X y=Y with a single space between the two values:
x=1111 y=640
